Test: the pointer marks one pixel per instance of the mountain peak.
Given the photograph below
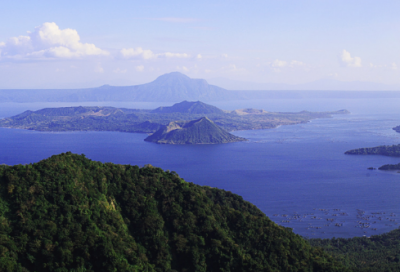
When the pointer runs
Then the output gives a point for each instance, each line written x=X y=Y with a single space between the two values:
x=190 y=107
x=199 y=131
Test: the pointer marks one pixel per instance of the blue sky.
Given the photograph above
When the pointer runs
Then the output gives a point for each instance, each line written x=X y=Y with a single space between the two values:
x=89 y=43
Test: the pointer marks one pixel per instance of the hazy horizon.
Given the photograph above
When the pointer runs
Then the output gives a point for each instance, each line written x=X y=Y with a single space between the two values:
x=89 y=44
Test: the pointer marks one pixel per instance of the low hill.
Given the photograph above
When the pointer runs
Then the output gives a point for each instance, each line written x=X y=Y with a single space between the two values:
x=190 y=107
x=201 y=131
x=68 y=213
x=385 y=150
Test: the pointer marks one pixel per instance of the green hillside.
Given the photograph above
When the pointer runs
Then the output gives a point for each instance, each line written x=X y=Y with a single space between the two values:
x=378 y=253
x=68 y=213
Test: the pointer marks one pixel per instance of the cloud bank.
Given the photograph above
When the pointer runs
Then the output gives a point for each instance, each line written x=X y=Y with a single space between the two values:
x=49 y=41
x=140 y=53
x=349 y=61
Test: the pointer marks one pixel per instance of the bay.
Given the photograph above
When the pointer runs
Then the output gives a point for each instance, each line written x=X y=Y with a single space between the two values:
x=297 y=175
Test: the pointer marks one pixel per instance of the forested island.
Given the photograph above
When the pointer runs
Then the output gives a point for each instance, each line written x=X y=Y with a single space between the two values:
x=149 y=121
x=385 y=150
x=68 y=213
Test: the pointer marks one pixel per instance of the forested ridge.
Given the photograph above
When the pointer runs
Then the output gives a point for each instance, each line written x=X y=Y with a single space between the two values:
x=385 y=150
x=378 y=253
x=68 y=213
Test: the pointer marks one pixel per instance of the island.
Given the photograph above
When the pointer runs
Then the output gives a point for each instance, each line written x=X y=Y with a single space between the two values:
x=150 y=121
x=390 y=167
x=397 y=129
x=200 y=131
x=384 y=150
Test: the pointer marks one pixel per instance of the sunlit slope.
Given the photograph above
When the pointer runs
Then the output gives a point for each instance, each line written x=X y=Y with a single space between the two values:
x=68 y=213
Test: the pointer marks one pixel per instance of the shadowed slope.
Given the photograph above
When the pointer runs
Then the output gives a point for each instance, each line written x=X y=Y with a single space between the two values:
x=68 y=213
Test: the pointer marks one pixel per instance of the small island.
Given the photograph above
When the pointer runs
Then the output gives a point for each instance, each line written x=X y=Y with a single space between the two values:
x=390 y=167
x=384 y=150
x=200 y=131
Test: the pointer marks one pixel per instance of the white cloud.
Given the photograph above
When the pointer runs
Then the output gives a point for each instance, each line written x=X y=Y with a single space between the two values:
x=335 y=75
x=183 y=68
x=119 y=71
x=173 y=55
x=199 y=56
x=278 y=63
x=140 y=53
x=99 y=69
x=350 y=61
x=139 y=68
x=49 y=41
x=132 y=53
x=295 y=63
x=224 y=56
x=392 y=66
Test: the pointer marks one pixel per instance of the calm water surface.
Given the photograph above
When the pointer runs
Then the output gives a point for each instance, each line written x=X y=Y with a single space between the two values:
x=297 y=175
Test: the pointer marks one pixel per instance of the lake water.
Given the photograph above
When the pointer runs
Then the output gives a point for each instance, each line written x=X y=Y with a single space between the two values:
x=297 y=175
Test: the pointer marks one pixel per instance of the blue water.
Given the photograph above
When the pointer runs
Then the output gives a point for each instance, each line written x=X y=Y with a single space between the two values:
x=297 y=175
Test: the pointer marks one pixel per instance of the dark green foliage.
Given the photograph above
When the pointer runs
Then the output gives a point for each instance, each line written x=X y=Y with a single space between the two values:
x=378 y=253
x=390 y=167
x=386 y=150
x=68 y=213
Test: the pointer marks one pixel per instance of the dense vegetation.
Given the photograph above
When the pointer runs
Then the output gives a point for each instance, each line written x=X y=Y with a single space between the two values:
x=201 y=131
x=68 y=213
x=149 y=121
x=378 y=253
x=390 y=167
x=386 y=150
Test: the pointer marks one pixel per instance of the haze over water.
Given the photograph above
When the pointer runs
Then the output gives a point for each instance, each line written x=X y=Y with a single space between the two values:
x=297 y=175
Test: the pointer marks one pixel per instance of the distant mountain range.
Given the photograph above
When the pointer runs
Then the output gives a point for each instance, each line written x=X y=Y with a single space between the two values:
x=175 y=87
x=172 y=87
